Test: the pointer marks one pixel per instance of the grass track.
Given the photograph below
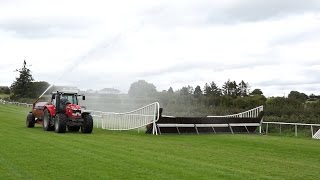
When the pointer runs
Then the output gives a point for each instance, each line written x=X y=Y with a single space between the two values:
x=31 y=153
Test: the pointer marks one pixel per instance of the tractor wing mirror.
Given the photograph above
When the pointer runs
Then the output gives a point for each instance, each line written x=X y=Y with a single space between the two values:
x=53 y=96
x=83 y=97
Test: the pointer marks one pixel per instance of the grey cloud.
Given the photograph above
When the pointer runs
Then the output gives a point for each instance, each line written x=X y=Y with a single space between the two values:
x=38 y=27
x=309 y=72
x=312 y=75
x=209 y=12
x=257 y=10
x=213 y=66
x=280 y=82
x=309 y=35
x=284 y=89
x=8 y=2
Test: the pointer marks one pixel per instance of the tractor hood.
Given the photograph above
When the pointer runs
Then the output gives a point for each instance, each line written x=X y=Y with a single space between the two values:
x=74 y=110
x=73 y=107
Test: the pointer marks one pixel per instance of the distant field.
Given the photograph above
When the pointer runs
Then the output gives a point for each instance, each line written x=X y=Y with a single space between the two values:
x=2 y=96
x=36 y=154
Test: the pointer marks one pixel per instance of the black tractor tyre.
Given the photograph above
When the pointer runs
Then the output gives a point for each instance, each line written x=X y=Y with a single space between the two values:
x=30 y=121
x=60 y=123
x=73 y=128
x=47 y=121
x=87 y=124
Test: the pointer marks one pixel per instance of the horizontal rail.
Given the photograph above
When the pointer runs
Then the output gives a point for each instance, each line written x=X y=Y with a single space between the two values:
x=249 y=113
x=285 y=123
x=295 y=126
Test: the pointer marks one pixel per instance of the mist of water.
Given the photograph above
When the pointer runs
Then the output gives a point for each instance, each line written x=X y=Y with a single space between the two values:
x=44 y=92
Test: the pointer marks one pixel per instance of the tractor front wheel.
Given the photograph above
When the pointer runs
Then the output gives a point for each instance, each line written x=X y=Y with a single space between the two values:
x=87 y=124
x=60 y=123
x=30 y=121
x=47 y=121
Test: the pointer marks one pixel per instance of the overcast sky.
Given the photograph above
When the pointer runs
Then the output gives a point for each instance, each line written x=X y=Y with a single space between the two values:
x=273 y=45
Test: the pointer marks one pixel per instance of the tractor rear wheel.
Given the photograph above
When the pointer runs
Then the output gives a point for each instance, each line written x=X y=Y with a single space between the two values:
x=30 y=121
x=60 y=123
x=87 y=124
x=73 y=128
x=47 y=121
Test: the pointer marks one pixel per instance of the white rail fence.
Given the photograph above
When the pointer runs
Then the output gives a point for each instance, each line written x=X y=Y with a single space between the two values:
x=97 y=117
x=252 y=113
x=129 y=120
x=15 y=103
x=316 y=135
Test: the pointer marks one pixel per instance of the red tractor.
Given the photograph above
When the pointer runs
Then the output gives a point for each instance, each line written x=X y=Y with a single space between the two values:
x=61 y=113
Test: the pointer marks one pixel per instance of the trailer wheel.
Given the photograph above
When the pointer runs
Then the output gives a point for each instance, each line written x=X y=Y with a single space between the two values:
x=47 y=126
x=60 y=123
x=73 y=128
x=30 y=121
x=87 y=124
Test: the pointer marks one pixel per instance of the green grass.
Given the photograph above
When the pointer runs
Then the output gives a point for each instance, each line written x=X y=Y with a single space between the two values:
x=31 y=153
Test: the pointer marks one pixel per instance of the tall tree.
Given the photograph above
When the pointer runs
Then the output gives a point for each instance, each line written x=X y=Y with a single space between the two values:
x=142 y=88
x=298 y=96
x=225 y=88
x=256 y=92
x=212 y=89
x=186 y=90
x=243 y=88
x=215 y=90
x=207 y=89
x=170 y=90
x=230 y=88
x=22 y=86
x=197 y=91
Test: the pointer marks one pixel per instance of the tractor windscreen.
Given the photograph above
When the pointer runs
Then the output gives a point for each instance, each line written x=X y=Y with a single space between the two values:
x=69 y=98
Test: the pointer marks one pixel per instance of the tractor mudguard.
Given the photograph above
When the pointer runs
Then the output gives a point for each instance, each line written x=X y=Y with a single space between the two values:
x=84 y=113
x=51 y=109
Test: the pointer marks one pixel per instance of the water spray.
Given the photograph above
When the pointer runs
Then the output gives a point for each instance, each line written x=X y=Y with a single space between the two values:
x=104 y=45
x=43 y=93
x=101 y=47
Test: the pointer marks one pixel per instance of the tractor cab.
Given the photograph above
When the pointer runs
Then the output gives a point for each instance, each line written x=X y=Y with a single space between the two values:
x=60 y=100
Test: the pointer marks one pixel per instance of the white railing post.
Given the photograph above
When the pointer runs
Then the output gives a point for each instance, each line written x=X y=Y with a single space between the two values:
x=260 y=129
